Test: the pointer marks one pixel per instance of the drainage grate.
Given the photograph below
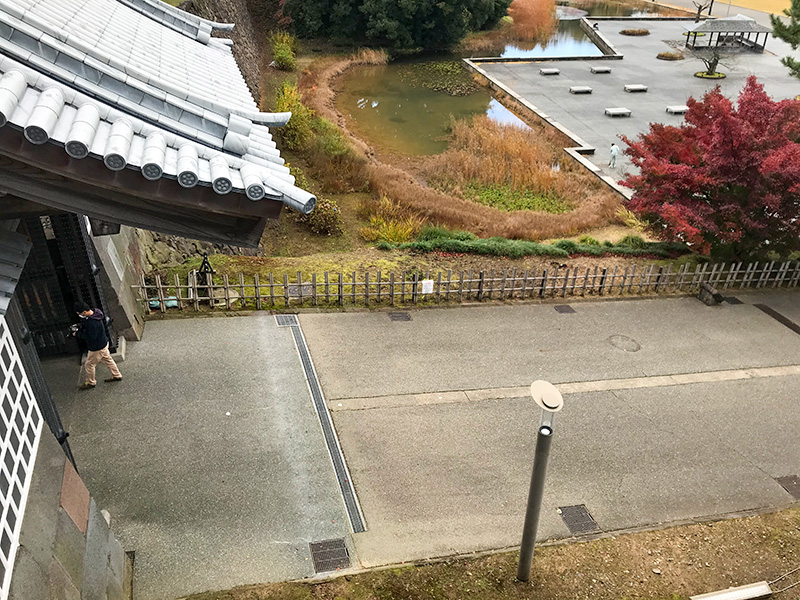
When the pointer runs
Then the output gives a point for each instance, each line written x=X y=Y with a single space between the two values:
x=329 y=555
x=564 y=309
x=331 y=441
x=733 y=300
x=778 y=317
x=578 y=520
x=398 y=316
x=287 y=321
x=791 y=483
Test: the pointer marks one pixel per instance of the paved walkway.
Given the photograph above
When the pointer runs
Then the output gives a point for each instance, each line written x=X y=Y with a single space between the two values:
x=209 y=455
x=669 y=83
x=437 y=427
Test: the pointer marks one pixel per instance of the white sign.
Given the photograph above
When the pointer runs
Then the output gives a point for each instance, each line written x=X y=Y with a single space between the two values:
x=427 y=286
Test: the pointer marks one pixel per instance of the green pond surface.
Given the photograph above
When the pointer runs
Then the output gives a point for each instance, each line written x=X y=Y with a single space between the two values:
x=396 y=115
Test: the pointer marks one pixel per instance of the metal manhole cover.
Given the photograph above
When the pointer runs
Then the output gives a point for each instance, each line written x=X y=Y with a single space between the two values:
x=733 y=300
x=329 y=555
x=791 y=483
x=578 y=520
x=287 y=321
x=400 y=316
x=564 y=309
x=623 y=342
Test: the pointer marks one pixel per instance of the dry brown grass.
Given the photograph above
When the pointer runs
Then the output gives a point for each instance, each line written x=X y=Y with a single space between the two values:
x=595 y=209
x=490 y=153
x=533 y=19
x=595 y=205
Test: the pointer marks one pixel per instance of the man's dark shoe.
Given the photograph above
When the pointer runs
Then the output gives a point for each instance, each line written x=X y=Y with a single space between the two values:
x=114 y=379
x=87 y=386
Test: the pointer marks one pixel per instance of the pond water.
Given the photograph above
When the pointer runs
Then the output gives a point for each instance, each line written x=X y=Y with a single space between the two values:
x=390 y=111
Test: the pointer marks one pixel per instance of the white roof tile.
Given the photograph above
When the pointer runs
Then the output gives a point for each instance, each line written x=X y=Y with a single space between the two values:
x=152 y=81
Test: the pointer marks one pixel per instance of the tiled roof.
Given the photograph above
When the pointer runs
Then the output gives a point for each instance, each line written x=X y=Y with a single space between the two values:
x=735 y=24
x=139 y=85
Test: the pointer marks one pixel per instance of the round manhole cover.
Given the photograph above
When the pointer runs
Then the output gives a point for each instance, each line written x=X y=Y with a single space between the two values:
x=623 y=342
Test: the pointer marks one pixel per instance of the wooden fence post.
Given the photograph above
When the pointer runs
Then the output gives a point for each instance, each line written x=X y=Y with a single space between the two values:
x=300 y=287
x=241 y=291
x=210 y=288
x=257 y=291
x=480 y=286
x=414 y=291
x=313 y=289
x=271 y=289
x=286 y=290
x=366 y=289
x=461 y=286
x=391 y=288
x=227 y=291
x=327 y=289
x=447 y=293
x=439 y=287
x=341 y=289
x=379 y=287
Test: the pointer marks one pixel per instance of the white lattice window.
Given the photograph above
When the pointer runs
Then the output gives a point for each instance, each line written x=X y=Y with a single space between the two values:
x=20 y=428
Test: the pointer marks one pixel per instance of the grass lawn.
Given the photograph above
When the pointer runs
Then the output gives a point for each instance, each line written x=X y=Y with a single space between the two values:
x=669 y=564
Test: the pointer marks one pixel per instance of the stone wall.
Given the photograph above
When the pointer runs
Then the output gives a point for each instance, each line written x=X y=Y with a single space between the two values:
x=121 y=257
x=67 y=550
x=245 y=41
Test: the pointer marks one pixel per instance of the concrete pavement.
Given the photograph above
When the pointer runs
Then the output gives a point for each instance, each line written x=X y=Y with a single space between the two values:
x=449 y=474
x=208 y=455
x=669 y=83
x=502 y=346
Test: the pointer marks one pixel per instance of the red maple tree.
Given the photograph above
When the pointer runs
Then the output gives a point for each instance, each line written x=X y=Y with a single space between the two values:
x=727 y=181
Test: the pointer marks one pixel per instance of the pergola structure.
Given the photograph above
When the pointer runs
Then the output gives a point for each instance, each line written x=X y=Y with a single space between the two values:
x=129 y=111
x=739 y=31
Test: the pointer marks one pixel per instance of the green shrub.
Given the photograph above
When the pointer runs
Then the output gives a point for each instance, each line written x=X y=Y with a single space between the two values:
x=297 y=133
x=588 y=240
x=567 y=245
x=435 y=232
x=325 y=219
x=283 y=50
x=329 y=139
x=632 y=241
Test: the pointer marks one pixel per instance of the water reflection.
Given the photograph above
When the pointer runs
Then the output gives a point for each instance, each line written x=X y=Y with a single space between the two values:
x=388 y=110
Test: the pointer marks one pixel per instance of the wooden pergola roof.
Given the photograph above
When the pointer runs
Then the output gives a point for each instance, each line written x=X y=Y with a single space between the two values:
x=135 y=104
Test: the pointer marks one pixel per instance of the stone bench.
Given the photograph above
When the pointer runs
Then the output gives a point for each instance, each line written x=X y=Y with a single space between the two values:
x=677 y=110
x=635 y=87
x=549 y=71
x=601 y=69
x=580 y=89
x=618 y=112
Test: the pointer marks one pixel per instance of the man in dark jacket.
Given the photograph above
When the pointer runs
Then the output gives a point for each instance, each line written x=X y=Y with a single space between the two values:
x=92 y=330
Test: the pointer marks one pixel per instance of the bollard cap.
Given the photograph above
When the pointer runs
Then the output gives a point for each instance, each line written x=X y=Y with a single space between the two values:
x=547 y=396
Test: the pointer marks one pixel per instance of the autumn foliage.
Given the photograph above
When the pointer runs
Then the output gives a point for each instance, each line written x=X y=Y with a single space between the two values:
x=728 y=180
x=533 y=19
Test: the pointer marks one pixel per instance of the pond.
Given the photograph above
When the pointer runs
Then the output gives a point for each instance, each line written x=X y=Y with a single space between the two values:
x=393 y=111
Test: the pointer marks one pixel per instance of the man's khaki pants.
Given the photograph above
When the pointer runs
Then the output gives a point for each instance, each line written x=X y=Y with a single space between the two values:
x=96 y=356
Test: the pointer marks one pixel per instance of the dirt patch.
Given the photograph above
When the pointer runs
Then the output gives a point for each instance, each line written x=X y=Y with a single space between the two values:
x=672 y=563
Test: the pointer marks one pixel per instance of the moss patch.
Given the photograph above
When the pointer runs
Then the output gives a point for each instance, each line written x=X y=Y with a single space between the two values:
x=447 y=76
x=504 y=197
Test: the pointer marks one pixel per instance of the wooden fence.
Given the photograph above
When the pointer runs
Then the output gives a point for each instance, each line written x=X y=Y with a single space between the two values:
x=205 y=291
